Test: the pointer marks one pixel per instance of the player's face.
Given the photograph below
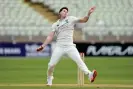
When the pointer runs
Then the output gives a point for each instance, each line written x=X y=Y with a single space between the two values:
x=63 y=13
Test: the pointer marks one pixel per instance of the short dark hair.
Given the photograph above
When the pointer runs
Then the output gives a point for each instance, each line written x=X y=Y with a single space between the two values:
x=63 y=8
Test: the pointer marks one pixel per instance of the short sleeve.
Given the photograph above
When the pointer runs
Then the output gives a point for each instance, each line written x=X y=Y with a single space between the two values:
x=53 y=27
x=74 y=19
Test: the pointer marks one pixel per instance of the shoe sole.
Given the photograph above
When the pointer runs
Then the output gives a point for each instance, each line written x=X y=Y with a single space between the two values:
x=94 y=76
x=48 y=85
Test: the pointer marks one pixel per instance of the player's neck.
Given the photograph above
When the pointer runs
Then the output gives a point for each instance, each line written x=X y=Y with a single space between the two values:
x=62 y=18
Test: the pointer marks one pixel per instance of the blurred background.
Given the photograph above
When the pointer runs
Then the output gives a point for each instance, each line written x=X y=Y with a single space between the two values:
x=26 y=21
x=31 y=20
x=25 y=24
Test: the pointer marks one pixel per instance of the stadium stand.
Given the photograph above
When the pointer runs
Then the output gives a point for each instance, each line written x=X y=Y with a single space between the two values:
x=112 y=20
x=19 y=19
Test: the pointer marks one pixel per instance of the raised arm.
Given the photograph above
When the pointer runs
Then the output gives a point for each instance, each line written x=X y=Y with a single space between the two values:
x=47 y=41
x=85 y=19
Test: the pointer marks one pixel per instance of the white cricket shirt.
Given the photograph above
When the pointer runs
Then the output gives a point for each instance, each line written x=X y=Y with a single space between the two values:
x=64 y=30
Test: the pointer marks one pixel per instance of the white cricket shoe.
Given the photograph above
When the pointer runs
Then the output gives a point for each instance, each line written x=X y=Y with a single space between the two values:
x=92 y=75
x=49 y=80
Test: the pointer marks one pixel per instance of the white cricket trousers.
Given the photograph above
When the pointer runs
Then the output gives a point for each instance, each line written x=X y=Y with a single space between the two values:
x=72 y=52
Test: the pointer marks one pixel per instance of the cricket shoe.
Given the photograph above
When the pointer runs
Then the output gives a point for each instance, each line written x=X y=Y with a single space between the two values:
x=92 y=75
x=49 y=80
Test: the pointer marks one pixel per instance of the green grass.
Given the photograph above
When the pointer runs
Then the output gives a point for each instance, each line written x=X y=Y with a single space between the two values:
x=111 y=70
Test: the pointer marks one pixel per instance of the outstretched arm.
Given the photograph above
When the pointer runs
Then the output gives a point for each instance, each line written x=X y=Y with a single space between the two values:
x=47 y=41
x=85 y=19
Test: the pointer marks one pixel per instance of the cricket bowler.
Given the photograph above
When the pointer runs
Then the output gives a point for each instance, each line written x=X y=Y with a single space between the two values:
x=63 y=28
